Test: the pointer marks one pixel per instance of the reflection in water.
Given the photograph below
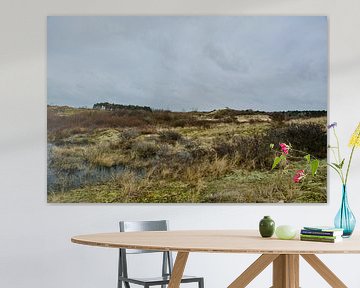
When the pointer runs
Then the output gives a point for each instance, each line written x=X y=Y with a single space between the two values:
x=63 y=180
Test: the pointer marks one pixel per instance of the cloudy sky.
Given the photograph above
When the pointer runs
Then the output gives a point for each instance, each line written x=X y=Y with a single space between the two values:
x=185 y=63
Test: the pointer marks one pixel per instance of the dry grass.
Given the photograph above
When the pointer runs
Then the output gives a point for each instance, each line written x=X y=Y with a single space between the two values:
x=205 y=158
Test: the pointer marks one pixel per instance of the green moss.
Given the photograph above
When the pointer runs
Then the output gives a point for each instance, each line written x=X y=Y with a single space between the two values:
x=160 y=192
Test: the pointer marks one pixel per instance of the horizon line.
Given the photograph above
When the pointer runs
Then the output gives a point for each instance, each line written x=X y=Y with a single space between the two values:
x=193 y=110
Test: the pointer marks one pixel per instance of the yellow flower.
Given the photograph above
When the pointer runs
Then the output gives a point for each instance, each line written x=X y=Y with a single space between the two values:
x=355 y=138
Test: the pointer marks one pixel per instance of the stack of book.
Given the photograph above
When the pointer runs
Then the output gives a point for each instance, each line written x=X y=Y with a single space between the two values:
x=321 y=234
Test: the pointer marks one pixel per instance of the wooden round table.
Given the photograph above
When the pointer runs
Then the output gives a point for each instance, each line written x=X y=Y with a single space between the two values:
x=284 y=254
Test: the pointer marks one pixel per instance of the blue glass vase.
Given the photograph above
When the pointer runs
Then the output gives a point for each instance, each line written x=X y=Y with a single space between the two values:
x=345 y=219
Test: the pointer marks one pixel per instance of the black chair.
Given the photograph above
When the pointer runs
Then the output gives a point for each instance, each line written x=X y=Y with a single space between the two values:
x=167 y=265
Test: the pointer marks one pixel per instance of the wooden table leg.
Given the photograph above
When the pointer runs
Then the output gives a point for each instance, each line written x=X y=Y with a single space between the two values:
x=178 y=270
x=286 y=271
x=293 y=262
x=253 y=270
x=324 y=271
x=279 y=269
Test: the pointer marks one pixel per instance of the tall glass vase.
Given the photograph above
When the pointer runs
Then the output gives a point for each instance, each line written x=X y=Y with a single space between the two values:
x=345 y=219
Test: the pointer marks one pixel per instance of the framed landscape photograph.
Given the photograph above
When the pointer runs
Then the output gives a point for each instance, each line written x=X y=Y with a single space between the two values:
x=187 y=109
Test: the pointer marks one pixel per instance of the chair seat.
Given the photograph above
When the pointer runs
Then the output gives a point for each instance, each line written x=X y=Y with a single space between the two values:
x=158 y=280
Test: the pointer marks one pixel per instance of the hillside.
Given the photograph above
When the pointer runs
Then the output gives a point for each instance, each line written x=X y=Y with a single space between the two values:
x=146 y=155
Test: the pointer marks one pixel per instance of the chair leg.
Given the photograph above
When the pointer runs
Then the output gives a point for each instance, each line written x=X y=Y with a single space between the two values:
x=201 y=283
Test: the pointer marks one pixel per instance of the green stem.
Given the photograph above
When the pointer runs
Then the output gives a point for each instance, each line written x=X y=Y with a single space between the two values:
x=348 y=166
x=304 y=153
x=338 y=146
x=295 y=157
x=301 y=152
x=337 y=171
x=333 y=152
x=339 y=156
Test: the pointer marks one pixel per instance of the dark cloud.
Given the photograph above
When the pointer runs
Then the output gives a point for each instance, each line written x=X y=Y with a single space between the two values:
x=227 y=61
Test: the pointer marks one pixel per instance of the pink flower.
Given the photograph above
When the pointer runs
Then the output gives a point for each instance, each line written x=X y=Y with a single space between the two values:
x=299 y=175
x=284 y=148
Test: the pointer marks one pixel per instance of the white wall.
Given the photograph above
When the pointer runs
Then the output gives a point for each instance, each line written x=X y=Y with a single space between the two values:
x=35 y=248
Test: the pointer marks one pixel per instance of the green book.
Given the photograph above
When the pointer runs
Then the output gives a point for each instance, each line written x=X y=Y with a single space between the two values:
x=325 y=240
x=323 y=228
x=319 y=236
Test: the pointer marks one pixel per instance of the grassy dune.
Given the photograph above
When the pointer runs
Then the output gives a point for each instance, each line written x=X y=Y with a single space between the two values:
x=192 y=157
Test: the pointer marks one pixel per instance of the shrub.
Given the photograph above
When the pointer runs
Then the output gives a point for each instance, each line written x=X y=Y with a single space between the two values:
x=170 y=136
x=223 y=148
x=95 y=119
x=145 y=150
x=252 y=151
x=183 y=157
x=128 y=134
x=163 y=151
x=198 y=152
x=278 y=117
x=179 y=123
x=310 y=138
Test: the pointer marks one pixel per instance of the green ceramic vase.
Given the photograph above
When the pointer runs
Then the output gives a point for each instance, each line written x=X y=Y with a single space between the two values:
x=266 y=227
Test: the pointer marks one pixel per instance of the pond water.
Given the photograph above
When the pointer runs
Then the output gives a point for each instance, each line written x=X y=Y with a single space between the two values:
x=60 y=180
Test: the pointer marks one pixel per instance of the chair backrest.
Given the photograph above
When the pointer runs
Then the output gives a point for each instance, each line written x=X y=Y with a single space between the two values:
x=135 y=226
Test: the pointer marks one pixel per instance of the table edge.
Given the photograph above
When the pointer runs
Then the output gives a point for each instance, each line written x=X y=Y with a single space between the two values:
x=203 y=250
